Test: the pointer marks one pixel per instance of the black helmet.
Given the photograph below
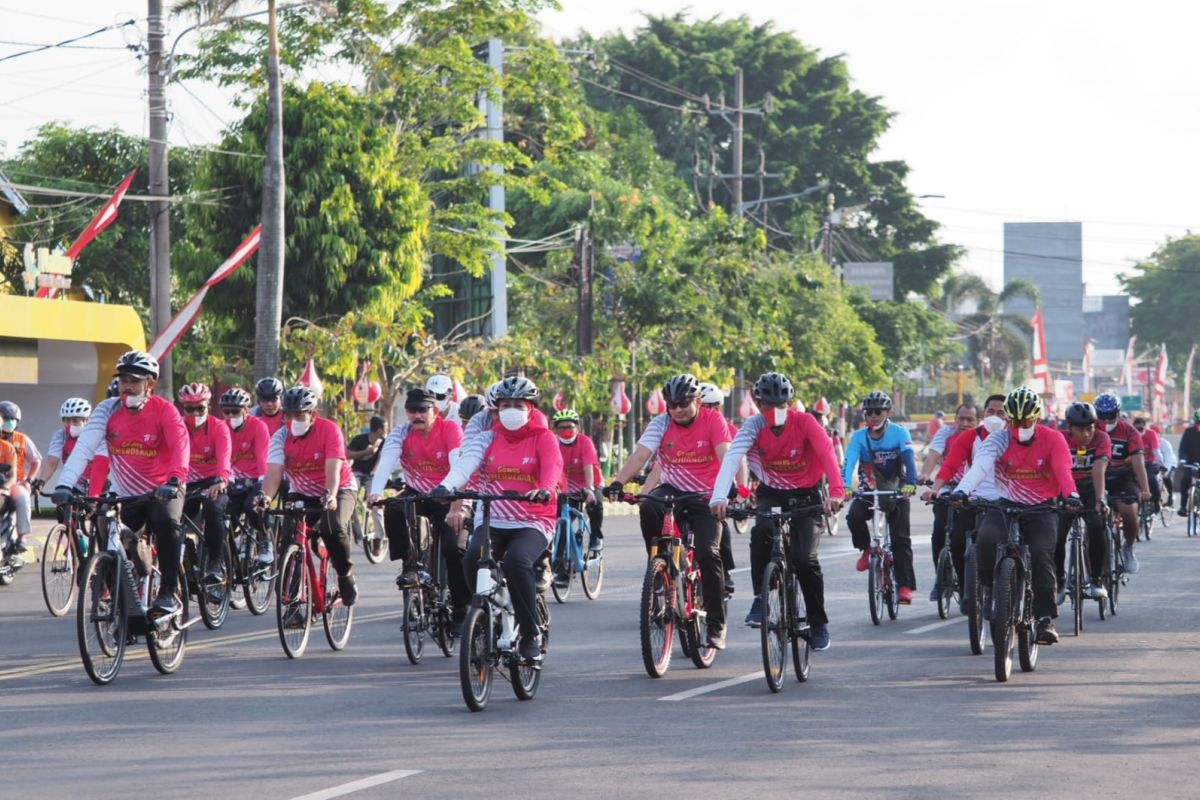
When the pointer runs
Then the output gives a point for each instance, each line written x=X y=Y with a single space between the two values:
x=517 y=388
x=471 y=405
x=877 y=401
x=1023 y=403
x=1081 y=414
x=138 y=363
x=681 y=388
x=299 y=398
x=773 y=387
x=114 y=388
x=268 y=388
x=235 y=398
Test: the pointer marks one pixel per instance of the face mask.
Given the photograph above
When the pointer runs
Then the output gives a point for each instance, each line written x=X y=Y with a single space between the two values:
x=568 y=439
x=876 y=423
x=514 y=418
x=135 y=400
x=74 y=430
x=442 y=405
x=1025 y=434
x=778 y=416
x=299 y=427
x=10 y=425
x=236 y=422
x=200 y=420
x=993 y=424
x=1110 y=426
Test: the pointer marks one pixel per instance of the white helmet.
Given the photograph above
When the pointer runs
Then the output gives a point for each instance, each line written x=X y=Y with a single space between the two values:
x=75 y=407
x=489 y=398
x=709 y=393
x=440 y=384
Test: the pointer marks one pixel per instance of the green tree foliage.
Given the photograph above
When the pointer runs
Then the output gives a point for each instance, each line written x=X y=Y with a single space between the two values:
x=910 y=333
x=999 y=343
x=1166 y=288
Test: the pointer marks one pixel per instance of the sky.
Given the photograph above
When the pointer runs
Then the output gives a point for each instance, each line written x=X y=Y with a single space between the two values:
x=1012 y=110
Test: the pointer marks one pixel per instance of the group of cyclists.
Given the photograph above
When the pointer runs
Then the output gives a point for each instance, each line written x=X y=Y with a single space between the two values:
x=229 y=468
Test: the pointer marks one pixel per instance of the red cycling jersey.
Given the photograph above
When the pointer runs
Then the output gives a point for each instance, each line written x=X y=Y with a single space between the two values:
x=688 y=454
x=1026 y=472
x=522 y=461
x=959 y=451
x=210 y=450
x=1083 y=458
x=148 y=447
x=1150 y=442
x=303 y=457
x=249 y=446
x=795 y=458
x=425 y=458
x=1126 y=443
x=578 y=457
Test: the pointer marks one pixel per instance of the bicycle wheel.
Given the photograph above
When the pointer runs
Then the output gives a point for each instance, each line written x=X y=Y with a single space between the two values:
x=1118 y=577
x=293 y=603
x=701 y=654
x=100 y=619
x=412 y=624
x=60 y=568
x=167 y=641
x=475 y=664
x=657 y=617
x=259 y=578
x=1075 y=581
x=592 y=578
x=213 y=598
x=946 y=580
x=875 y=588
x=976 y=625
x=1145 y=521
x=775 y=626
x=891 y=591
x=562 y=565
x=801 y=646
x=338 y=618
x=374 y=542
x=525 y=679
x=1004 y=602
x=1027 y=645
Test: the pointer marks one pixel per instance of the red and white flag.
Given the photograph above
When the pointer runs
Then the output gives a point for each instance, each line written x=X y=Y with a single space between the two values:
x=1041 y=366
x=104 y=217
x=1089 y=352
x=1160 y=380
x=1187 y=384
x=619 y=402
x=169 y=336
x=1127 y=370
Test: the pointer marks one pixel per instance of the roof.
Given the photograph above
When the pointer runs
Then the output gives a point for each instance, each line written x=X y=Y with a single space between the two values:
x=11 y=194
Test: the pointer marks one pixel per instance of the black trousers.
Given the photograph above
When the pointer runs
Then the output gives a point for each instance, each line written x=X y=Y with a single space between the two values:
x=164 y=521
x=1097 y=536
x=516 y=550
x=1040 y=534
x=941 y=521
x=241 y=503
x=595 y=514
x=210 y=514
x=401 y=546
x=708 y=537
x=858 y=519
x=332 y=527
x=806 y=538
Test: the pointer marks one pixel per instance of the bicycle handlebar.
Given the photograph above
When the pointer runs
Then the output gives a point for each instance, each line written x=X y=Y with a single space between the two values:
x=488 y=498
x=786 y=513
x=1010 y=510
x=667 y=500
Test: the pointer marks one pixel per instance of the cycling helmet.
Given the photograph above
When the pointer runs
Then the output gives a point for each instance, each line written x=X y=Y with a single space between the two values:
x=566 y=415
x=489 y=397
x=75 y=408
x=1081 y=414
x=1196 y=415
x=299 y=398
x=440 y=384
x=710 y=393
x=194 y=393
x=681 y=388
x=268 y=388
x=114 y=388
x=517 y=388
x=235 y=398
x=773 y=387
x=138 y=363
x=471 y=405
x=10 y=410
x=1023 y=403
x=1108 y=405
x=876 y=401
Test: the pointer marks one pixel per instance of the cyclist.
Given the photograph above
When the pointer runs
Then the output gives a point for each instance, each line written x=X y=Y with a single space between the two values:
x=1030 y=464
x=1090 y=451
x=29 y=460
x=885 y=451
x=74 y=413
x=363 y=454
x=471 y=405
x=249 y=443
x=421 y=448
x=208 y=474
x=1154 y=459
x=1169 y=462
x=1189 y=455
x=518 y=454
x=790 y=451
x=311 y=453
x=148 y=451
x=579 y=468
x=1126 y=471
x=267 y=392
x=712 y=398
x=689 y=443
x=966 y=417
x=442 y=389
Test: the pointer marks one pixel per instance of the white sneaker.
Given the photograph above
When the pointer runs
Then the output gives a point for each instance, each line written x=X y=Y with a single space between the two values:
x=1094 y=591
x=1131 y=562
x=266 y=553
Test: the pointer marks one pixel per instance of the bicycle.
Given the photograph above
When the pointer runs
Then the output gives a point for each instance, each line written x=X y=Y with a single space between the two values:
x=947 y=578
x=568 y=556
x=427 y=608
x=212 y=597
x=1147 y=511
x=1191 y=503
x=307 y=587
x=1077 y=562
x=257 y=578
x=490 y=635
x=66 y=547
x=1012 y=592
x=975 y=597
x=10 y=561
x=365 y=525
x=881 y=571
x=672 y=591
x=1115 y=575
x=785 y=622
x=115 y=592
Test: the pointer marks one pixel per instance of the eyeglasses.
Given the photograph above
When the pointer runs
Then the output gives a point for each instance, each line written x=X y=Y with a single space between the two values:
x=874 y=412
x=440 y=396
x=679 y=404
x=263 y=399
x=1024 y=423
x=421 y=410
x=231 y=412
x=194 y=409
x=1108 y=417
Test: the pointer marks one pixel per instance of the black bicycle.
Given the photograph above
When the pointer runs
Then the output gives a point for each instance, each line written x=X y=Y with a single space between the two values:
x=974 y=596
x=67 y=546
x=947 y=578
x=1077 y=578
x=1115 y=575
x=211 y=585
x=1191 y=503
x=251 y=562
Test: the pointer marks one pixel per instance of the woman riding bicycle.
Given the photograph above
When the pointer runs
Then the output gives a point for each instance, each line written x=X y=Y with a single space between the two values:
x=516 y=454
x=580 y=465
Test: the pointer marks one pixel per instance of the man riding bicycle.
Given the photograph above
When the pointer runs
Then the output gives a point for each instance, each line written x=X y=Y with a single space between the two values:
x=966 y=417
x=1126 y=472
x=268 y=392
x=208 y=473
x=1090 y=451
x=1189 y=455
x=28 y=462
x=74 y=413
x=1154 y=459
x=580 y=463
x=249 y=442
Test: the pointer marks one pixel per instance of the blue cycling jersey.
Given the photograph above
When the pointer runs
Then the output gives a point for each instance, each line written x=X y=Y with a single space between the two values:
x=888 y=455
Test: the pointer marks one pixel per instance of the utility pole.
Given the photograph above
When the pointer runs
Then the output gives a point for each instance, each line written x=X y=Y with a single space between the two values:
x=268 y=296
x=493 y=109
x=584 y=330
x=827 y=231
x=739 y=130
x=160 y=186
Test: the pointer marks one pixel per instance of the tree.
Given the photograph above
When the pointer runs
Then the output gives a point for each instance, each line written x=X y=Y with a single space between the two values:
x=1166 y=292
x=998 y=342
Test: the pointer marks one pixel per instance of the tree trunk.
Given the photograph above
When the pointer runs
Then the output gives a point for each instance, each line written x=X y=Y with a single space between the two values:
x=269 y=290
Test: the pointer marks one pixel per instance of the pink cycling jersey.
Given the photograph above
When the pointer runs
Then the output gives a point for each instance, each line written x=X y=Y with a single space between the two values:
x=578 y=457
x=148 y=447
x=688 y=454
x=210 y=450
x=425 y=458
x=522 y=461
x=249 y=445
x=303 y=457
x=1028 y=472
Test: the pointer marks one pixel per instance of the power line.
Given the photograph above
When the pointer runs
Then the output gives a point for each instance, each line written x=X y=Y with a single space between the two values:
x=50 y=191
x=607 y=88
x=655 y=82
x=65 y=42
x=1017 y=217
x=24 y=13
x=68 y=46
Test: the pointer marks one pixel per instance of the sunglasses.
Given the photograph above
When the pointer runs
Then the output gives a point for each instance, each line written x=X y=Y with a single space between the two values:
x=681 y=404
x=1024 y=423
x=418 y=410
x=231 y=412
x=874 y=412
x=193 y=409
x=1107 y=417
x=440 y=396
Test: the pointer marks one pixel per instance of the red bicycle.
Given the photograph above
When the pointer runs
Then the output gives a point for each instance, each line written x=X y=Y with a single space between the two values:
x=307 y=587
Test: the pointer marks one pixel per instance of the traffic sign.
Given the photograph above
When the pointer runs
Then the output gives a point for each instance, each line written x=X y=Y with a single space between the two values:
x=1131 y=402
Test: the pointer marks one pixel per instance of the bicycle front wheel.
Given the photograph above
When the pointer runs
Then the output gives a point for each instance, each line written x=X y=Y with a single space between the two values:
x=337 y=617
x=374 y=542
x=562 y=565
x=412 y=625
x=213 y=596
x=100 y=619
x=657 y=617
x=259 y=580
x=891 y=590
x=946 y=580
x=702 y=655
x=775 y=625
x=475 y=665
x=592 y=578
x=167 y=641
x=526 y=678
x=875 y=588
x=60 y=571
x=1075 y=583
x=976 y=625
x=1004 y=603
x=293 y=603
x=801 y=646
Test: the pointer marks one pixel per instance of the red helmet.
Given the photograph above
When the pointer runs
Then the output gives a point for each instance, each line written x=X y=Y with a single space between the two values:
x=194 y=393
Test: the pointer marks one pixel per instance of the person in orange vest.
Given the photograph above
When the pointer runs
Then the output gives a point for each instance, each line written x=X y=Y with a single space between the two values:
x=29 y=460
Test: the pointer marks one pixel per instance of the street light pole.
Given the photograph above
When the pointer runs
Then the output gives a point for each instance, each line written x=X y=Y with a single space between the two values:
x=160 y=186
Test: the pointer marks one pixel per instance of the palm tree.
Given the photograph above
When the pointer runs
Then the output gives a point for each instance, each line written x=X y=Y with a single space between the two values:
x=997 y=341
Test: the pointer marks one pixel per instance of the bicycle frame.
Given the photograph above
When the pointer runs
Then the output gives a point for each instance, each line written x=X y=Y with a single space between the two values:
x=574 y=522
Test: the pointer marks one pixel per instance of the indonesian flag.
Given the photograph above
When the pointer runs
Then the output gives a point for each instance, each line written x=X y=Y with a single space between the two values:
x=1089 y=352
x=1187 y=384
x=1160 y=377
x=619 y=402
x=104 y=217
x=1041 y=367
x=1127 y=370
x=169 y=336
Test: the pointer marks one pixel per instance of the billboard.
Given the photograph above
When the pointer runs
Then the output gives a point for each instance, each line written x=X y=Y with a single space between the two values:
x=875 y=275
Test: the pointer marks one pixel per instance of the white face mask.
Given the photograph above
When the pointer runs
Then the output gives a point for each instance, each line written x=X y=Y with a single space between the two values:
x=993 y=424
x=1110 y=426
x=237 y=422
x=299 y=427
x=875 y=423
x=74 y=430
x=778 y=416
x=135 y=400
x=514 y=419
x=567 y=439
x=199 y=420
x=1025 y=434
x=442 y=405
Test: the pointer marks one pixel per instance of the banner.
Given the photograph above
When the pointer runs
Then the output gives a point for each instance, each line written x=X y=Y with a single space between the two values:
x=169 y=336
x=104 y=217
x=1127 y=370
x=1041 y=367
x=1187 y=385
x=1160 y=382
x=1089 y=353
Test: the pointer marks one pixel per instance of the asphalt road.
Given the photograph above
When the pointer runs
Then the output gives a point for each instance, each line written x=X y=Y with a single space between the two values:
x=899 y=710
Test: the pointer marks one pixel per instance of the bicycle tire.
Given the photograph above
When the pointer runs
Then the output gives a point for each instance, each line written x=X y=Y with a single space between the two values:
x=801 y=646
x=1118 y=576
x=475 y=667
x=561 y=563
x=526 y=679
x=1075 y=582
x=1027 y=645
x=259 y=578
x=100 y=613
x=891 y=592
x=374 y=542
x=592 y=578
x=875 y=588
x=167 y=643
x=337 y=618
x=946 y=580
x=1003 y=630
x=976 y=624
x=213 y=599
x=698 y=649
x=656 y=617
x=775 y=626
x=60 y=571
x=412 y=625
x=293 y=603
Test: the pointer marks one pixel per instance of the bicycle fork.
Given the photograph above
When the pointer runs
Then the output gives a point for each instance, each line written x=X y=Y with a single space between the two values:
x=493 y=597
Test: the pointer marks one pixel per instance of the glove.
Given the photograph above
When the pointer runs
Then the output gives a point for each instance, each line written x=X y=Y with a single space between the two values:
x=261 y=501
x=733 y=492
x=1074 y=503
x=539 y=495
x=440 y=491
x=168 y=491
x=36 y=485
x=615 y=490
x=957 y=498
x=62 y=495
x=908 y=489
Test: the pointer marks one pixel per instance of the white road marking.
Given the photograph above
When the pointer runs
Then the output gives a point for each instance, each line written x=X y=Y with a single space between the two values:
x=354 y=786
x=713 y=687
x=941 y=623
